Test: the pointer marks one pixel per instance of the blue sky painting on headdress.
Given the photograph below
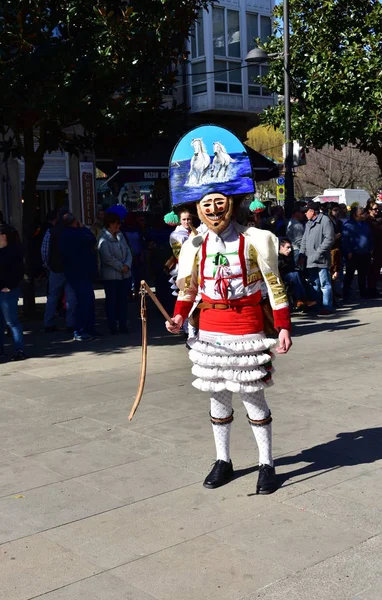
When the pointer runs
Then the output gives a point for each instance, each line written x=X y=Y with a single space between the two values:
x=209 y=159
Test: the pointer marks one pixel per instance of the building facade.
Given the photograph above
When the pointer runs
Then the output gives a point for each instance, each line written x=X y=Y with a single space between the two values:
x=219 y=82
x=61 y=182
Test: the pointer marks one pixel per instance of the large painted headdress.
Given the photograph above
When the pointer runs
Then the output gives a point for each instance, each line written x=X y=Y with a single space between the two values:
x=209 y=159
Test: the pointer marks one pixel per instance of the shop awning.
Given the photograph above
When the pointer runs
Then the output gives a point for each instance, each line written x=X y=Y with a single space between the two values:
x=153 y=165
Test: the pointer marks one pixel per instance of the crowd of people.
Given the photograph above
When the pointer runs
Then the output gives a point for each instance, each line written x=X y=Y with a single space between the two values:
x=320 y=249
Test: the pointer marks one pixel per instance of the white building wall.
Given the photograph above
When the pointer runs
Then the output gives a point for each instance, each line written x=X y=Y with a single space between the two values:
x=207 y=94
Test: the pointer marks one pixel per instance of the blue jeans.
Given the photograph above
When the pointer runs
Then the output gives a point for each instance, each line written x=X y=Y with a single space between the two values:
x=85 y=308
x=57 y=284
x=117 y=293
x=294 y=280
x=8 y=315
x=322 y=285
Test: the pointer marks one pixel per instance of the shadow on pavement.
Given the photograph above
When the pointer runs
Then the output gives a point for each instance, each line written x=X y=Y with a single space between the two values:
x=60 y=342
x=348 y=449
x=309 y=323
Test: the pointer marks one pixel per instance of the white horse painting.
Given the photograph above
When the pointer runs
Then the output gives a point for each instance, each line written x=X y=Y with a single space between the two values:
x=221 y=162
x=200 y=162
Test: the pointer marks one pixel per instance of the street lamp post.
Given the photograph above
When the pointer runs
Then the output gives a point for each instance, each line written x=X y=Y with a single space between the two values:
x=256 y=56
x=289 y=184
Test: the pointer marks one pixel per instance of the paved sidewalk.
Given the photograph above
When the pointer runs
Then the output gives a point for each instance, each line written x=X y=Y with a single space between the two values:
x=93 y=507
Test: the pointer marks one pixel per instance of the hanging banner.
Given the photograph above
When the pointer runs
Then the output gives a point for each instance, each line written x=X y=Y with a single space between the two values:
x=88 y=200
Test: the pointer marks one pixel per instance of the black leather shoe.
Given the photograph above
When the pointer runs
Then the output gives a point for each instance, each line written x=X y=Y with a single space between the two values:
x=267 y=482
x=222 y=472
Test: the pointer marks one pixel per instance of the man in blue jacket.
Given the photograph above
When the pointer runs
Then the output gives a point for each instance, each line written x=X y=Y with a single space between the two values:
x=357 y=245
x=78 y=251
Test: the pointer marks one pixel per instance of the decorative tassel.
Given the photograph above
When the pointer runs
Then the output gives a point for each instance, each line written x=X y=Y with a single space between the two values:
x=256 y=206
x=221 y=274
x=171 y=218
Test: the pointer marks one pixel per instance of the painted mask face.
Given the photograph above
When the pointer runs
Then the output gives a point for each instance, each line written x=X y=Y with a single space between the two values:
x=215 y=211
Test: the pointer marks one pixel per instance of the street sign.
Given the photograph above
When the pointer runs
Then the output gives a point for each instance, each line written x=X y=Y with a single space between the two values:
x=280 y=181
x=280 y=193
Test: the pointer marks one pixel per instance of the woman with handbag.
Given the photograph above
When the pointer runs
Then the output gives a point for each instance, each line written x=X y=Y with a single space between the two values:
x=222 y=271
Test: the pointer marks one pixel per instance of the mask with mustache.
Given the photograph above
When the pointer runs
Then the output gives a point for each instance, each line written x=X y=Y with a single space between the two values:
x=215 y=211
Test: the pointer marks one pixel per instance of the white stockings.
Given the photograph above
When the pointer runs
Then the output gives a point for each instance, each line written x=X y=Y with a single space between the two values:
x=257 y=411
x=221 y=409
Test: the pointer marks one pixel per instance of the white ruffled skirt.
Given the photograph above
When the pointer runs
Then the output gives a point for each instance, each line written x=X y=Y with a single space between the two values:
x=234 y=363
x=172 y=281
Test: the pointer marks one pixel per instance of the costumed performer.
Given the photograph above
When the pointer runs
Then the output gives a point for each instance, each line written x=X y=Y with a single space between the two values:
x=220 y=275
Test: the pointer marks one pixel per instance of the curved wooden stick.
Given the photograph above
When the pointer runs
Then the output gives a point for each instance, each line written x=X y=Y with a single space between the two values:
x=156 y=302
x=145 y=289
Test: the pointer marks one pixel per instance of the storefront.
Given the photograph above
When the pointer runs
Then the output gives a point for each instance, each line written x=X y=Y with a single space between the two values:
x=54 y=185
x=144 y=187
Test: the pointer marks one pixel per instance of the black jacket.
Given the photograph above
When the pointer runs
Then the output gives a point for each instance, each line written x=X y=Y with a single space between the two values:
x=55 y=262
x=11 y=266
x=286 y=264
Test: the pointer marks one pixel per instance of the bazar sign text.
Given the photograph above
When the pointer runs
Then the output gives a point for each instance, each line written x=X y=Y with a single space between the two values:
x=155 y=175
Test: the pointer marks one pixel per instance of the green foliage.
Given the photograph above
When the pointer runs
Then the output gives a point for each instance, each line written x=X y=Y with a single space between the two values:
x=336 y=73
x=99 y=65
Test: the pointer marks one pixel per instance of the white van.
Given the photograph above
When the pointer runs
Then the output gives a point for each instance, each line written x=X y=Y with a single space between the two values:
x=343 y=196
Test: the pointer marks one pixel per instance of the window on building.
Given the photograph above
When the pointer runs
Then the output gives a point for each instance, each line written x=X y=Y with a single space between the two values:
x=227 y=77
x=199 y=77
x=197 y=37
x=265 y=28
x=218 y=31
x=233 y=28
x=252 y=30
x=226 y=32
x=255 y=73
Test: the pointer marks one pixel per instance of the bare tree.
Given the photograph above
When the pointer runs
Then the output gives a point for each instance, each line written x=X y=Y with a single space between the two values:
x=329 y=168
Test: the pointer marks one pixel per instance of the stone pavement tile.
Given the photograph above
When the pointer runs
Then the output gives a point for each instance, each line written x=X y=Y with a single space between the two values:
x=198 y=569
x=342 y=412
x=363 y=389
x=128 y=386
x=34 y=565
x=10 y=529
x=28 y=386
x=270 y=532
x=339 y=577
x=24 y=474
x=185 y=432
x=89 y=427
x=28 y=439
x=149 y=526
x=338 y=508
x=196 y=461
x=73 y=402
x=180 y=395
x=17 y=409
x=99 y=587
x=374 y=592
x=139 y=479
x=291 y=431
x=117 y=412
x=6 y=456
x=56 y=504
x=84 y=458
x=97 y=375
x=366 y=488
x=102 y=368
